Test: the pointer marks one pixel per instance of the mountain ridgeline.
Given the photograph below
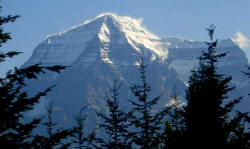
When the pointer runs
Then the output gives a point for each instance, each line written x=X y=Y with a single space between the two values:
x=106 y=48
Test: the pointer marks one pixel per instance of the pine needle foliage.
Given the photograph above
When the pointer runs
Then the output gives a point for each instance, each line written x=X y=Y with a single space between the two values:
x=115 y=122
x=210 y=116
x=148 y=124
x=15 y=132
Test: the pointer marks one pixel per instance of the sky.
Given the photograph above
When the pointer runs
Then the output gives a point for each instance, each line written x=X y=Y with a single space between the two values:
x=182 y=18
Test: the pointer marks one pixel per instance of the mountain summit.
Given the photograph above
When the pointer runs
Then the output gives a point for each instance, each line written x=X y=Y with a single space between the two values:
x=108 y=31
x=105 y=48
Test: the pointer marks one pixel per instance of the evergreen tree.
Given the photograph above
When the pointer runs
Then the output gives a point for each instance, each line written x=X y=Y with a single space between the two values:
x=209 y=115
x=14 y=102
x=174 y=129
x=115 y=123
x=54 y=137
x=78 y=135
x=80 y=138
x=148 y=124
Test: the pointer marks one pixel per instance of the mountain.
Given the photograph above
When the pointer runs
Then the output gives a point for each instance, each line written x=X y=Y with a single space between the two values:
x=106 y=48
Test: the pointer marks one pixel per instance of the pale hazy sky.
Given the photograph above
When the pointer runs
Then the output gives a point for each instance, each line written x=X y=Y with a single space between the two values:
x=184 y=18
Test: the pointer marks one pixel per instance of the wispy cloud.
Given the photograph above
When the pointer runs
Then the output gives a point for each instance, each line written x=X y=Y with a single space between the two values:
x=242 y=41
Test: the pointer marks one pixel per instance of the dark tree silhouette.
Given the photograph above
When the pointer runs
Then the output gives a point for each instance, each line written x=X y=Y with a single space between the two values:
x=14 y=102
x=4 y=37
x=54 y=138
x=78 y=135
x=210 y=117
x=148 y=124
x=80 y=138
x=174 y=131
x=115 y=122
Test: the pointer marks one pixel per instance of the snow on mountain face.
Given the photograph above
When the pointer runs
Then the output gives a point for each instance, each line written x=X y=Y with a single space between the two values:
x=99 y=51
x=105 y=48
x=183 y=56
x=64 y=48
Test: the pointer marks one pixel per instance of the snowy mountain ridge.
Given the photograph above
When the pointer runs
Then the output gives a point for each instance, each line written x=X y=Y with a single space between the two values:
x=73 y=40
x=105 y=48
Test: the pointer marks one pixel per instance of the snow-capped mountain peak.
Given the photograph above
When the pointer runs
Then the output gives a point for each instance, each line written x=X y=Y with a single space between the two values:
x=105 y=48
x=134 y=32
x=107 y=28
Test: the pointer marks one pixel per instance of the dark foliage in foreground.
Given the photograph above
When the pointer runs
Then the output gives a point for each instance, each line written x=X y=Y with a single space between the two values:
x=80 y=139
x=148 y=124
x=115 y=122
x=14 y=102
x=210 y=117
x=54 y=138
